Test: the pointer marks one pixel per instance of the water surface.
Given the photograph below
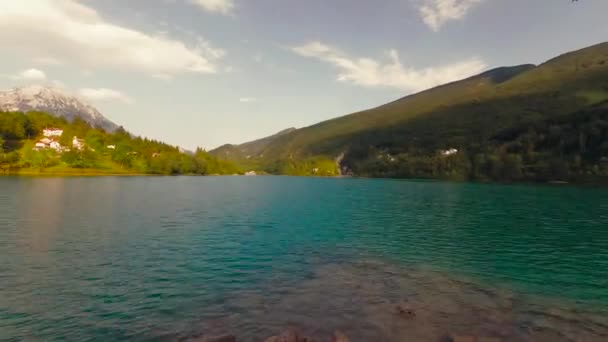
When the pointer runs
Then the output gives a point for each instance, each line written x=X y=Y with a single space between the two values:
x=160 y=258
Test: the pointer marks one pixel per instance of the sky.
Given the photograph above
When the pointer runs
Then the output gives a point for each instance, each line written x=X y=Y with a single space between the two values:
x=209 y=72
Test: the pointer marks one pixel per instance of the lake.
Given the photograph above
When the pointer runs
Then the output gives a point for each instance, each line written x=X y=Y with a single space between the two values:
x=167 y=258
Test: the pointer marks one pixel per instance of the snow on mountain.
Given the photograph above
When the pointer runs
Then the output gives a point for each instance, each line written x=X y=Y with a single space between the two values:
x=54 y=101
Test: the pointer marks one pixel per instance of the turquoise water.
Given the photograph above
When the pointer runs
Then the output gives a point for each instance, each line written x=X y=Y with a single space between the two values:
x=149 y=258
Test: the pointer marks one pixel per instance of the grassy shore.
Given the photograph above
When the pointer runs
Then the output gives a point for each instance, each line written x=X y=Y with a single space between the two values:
x=69 y=171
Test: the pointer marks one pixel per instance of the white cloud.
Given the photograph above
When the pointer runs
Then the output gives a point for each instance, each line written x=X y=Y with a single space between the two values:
x=217 y=6
x=247 y=99
x=392 y=73
x=104 y=94
x=435 y=13
x=70 y=32
x=32 y=75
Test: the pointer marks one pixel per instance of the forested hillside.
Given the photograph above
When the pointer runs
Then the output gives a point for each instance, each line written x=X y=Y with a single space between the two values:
x=247 y=154
x=536 y=123
x=81 y=148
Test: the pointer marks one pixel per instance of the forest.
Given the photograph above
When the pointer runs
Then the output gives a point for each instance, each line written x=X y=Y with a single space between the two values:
x=530 y=123
x=99 y=151
x=571 y=147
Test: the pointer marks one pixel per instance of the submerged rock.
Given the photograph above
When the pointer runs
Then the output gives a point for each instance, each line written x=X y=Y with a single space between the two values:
x=469 y=338
x=464 y=339
x=339 y=337
x=289 y=335
x=222 y=338
x=405 y=312
x=294 y=335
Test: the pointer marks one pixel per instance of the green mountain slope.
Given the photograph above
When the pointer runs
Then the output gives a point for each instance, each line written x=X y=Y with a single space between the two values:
x=249 y=151
x=466 y=115
x=26 y=146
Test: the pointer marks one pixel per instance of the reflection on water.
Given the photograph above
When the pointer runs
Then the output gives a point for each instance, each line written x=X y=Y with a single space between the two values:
x=40 y=204
x=148 y=258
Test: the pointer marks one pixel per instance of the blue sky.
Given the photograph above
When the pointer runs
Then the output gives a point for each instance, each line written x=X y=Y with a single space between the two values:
x=209 y=72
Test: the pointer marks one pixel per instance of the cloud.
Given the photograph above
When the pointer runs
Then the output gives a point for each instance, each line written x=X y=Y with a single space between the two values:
x=435 y=13
x=104 y=94
x=32 y=75
x=70 y=32
x=247 y=99
x=372 y=73
x=217 y=6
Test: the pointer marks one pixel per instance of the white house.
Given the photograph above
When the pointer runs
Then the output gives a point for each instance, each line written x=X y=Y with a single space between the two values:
x=77 y=143
x=39 y=146
x=55 y=145
x=46 y=143
x=52 y=132
x=111 y=147
x=449 y=152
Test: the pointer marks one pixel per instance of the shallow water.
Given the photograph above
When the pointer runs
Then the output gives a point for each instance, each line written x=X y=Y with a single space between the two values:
x=148 y=258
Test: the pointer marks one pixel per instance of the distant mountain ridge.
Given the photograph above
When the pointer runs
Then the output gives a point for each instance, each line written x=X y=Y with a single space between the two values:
x=528 y=122
x=249 y=149
x=53 y=101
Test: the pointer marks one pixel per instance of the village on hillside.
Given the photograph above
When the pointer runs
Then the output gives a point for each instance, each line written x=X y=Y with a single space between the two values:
x=50 y=141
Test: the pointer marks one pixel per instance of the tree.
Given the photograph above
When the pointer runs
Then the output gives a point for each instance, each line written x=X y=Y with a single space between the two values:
x=40 y=159
x=14 y=126
x=95 y=139
x=8 y=160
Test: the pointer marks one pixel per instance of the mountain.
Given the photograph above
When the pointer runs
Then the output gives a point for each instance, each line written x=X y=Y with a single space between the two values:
x=485 y=116
x=54 y=101
x=248 y=150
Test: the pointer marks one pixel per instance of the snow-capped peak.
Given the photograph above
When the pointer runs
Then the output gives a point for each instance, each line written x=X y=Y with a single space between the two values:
x=53 y=100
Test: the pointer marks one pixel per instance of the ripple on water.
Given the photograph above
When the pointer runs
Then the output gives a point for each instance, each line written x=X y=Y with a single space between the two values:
x=157 y=258
x=362 y=298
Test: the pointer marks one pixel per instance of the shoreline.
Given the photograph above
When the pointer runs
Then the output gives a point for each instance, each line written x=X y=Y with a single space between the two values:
x=69 y=173
x=106 y=173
